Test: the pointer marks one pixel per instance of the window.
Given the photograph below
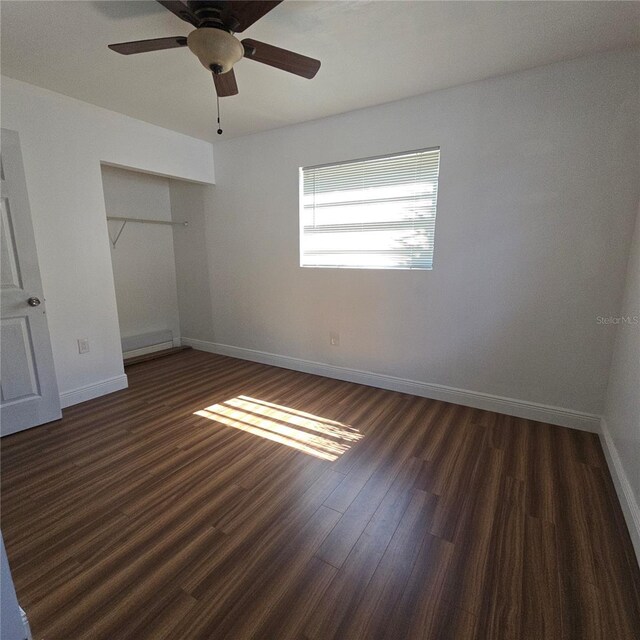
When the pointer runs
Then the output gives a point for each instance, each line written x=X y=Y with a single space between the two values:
x=376 y=213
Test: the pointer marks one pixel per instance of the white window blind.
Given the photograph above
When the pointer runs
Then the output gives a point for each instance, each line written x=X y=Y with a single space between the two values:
x=376 y=213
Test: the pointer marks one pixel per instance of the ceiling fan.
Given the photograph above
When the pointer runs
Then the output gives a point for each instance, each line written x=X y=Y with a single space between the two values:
x=214 y=44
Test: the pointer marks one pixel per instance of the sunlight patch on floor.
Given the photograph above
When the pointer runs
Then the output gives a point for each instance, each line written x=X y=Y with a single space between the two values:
x=314 y=435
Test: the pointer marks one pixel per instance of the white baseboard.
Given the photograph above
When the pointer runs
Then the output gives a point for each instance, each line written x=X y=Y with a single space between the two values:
x=143 y=351
x=478 y=400
x=625 y=493
x=90 y=391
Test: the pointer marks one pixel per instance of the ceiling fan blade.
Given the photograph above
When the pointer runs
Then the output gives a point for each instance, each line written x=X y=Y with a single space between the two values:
x=246 y=12
x=225 y=84
x=181 y=10
x=142 y=46
x=280 y=58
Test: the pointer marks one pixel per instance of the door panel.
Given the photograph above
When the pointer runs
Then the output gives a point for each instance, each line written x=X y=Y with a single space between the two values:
x=9 y=277
x=28 y=388
x=18 y=358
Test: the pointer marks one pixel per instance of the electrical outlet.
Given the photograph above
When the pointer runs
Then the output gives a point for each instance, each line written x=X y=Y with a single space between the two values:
x=334 y=338
x=83 y=345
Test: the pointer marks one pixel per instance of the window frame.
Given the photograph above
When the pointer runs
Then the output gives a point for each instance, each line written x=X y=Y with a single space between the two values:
x=383 y=156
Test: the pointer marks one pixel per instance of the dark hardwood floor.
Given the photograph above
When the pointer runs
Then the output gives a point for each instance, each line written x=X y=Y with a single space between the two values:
x=217 y=498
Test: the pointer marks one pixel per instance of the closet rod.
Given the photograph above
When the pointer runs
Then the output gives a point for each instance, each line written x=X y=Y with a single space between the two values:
x=184 y=224
x=125 y=220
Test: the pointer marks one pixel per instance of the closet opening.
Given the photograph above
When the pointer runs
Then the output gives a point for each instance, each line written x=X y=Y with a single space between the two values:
x=142 y=231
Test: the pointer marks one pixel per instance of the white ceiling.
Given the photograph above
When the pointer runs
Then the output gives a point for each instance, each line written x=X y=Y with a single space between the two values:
x=372 y=52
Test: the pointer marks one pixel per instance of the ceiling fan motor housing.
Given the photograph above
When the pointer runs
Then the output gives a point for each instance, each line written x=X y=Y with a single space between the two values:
x=216 y=49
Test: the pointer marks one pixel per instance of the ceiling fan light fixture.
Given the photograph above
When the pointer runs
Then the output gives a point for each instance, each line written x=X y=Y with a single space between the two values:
x=214 y=42
x=215 y=48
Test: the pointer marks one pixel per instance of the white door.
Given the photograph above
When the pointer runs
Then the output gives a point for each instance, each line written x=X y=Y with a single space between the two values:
x=11 y=624
x=29 y=391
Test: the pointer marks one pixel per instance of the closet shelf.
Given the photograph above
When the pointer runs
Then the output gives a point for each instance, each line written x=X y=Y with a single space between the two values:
x=124 y=221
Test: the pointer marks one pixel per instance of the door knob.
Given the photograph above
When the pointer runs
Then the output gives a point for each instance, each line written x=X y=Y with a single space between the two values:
x=33 y=302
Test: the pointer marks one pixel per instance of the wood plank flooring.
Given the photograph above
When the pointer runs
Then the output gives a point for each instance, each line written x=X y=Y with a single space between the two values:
x=218 y=498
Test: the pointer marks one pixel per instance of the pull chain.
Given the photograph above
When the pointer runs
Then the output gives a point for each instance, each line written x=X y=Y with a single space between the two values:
x=218 y=104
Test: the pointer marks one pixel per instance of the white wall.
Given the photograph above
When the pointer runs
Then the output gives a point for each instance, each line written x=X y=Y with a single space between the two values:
x=143 y=261
x=538 y=189
x=621 y=422
x=63 y=143
x=189 y=203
